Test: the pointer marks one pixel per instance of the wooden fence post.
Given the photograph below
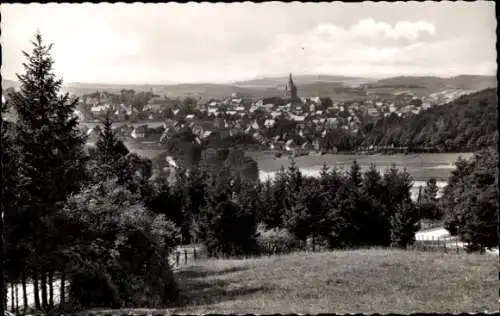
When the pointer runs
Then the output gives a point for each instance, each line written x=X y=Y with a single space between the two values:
x=185 y=256
x=456 y=243
x=194 y=253
x=177 y=254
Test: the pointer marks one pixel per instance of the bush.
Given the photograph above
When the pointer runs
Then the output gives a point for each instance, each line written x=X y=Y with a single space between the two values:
x=276 y=240
x=93 y=287
x=105 y=225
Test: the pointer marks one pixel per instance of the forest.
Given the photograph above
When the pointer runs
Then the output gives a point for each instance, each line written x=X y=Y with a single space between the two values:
x=468 y=123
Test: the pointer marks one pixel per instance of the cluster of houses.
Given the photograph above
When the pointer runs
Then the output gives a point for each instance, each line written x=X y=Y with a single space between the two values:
x=313 y=117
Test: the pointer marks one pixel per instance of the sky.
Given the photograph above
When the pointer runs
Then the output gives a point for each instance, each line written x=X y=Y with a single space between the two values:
x=202 y=42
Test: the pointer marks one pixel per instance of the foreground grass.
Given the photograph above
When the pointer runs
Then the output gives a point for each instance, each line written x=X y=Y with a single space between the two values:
x=356 y=281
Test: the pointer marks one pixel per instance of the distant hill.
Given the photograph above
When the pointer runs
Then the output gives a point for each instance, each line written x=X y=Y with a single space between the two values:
x=435 y=84
x=300 y=80
x=308 y=86
x=467 y=123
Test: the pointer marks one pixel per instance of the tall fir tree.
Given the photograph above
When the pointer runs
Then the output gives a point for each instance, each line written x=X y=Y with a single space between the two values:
x=405 y=222
x=194 y=198
x=355 y=175
x=109 y=147
x=377 y=220
x=10 y=223
x=219 y=219
x=52 y=152
x=429 y=207
x=279 y=196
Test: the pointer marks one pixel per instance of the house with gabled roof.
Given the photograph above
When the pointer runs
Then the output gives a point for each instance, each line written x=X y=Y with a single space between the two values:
x=139 y=132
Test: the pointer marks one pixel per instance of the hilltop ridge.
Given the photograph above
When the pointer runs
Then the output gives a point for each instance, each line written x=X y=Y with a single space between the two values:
x=335 y=87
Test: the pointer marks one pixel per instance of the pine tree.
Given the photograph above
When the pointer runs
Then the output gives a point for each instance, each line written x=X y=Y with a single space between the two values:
x=10 y=216
x=279 y=191
x=354 y=174
x=324 y=174
x=52 y=150
x=372 y=181
x=294 y=185
x=454 y=195
x=397 y=187
x=429 y=207
x=195 y=198
x=303 y=218
x=109 y=147
x=405 y=222
x=377 y=228
x=226 y=227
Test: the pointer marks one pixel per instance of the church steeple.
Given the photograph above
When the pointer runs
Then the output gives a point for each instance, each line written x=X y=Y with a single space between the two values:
x=291 y=89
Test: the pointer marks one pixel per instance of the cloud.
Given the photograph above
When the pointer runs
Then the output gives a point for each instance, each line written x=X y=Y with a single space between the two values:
x=376 y=48
x=225 y=42
x=411 y=31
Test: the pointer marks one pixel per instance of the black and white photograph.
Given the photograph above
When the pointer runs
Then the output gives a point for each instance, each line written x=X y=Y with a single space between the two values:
x=249 y=158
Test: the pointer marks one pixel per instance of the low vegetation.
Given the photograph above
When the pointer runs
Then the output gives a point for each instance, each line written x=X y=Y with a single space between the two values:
x=353 y=281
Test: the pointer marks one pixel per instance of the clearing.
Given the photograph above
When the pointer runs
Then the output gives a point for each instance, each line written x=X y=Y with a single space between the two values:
x=354 y=281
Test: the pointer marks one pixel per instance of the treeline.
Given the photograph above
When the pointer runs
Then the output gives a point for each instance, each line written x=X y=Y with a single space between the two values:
x=468 y=123
x=220 y=207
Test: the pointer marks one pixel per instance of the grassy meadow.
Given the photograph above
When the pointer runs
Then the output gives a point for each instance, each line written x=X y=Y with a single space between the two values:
x=421 y=166
x=353 y=281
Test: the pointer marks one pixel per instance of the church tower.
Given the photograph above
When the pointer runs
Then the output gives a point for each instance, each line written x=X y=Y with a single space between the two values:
x=291 y=89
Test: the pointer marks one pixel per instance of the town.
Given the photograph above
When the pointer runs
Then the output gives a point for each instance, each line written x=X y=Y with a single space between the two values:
x=150 y=119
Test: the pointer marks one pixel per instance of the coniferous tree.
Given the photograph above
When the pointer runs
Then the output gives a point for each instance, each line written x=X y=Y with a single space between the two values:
x=195 y=198
x=219 y=207
x=405 y=222
x=279 y=191
x=303 y=217
x=109 y=147
x=471 y=200
x=429 y=207
x=294 y=178
x=355 y=175
x=52 y=151
x=377 y=219
x=454 y=195
x=265 y=201
x=11 y=222
x=294 y=186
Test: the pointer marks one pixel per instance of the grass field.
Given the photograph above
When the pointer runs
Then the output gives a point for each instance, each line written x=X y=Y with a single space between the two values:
x=356 y=281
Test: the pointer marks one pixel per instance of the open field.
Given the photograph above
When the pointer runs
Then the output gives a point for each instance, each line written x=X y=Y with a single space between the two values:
x=421 y=166
x=354 y=281
x=426 y=164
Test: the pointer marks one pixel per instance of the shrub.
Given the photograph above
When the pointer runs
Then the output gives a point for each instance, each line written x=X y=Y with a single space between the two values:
x=105 y=225
x=93 y=287
x=276 y=240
